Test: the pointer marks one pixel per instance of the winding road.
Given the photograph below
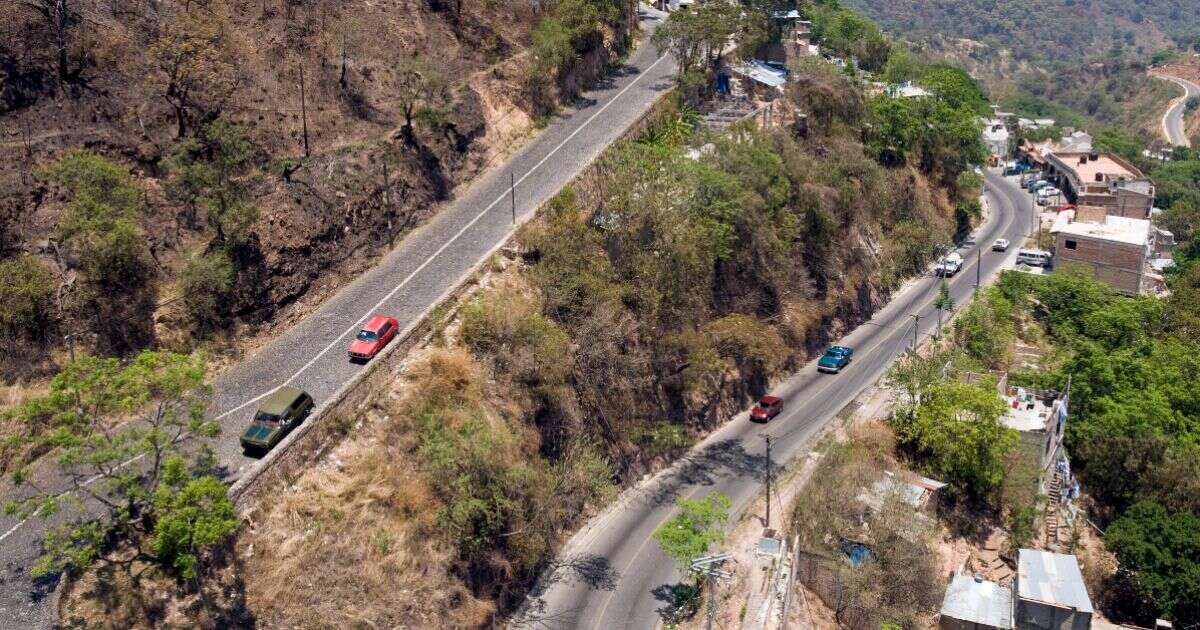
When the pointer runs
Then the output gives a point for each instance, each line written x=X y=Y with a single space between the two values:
x=429 y=263
x=1173 y=126
x=612 y=574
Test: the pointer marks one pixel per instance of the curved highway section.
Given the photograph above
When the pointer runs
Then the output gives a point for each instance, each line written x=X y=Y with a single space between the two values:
x=427 y=264
x=612 y=573
x=1172 y=122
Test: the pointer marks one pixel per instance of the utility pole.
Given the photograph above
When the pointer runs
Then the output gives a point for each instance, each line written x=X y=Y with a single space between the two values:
x=512 y=194
x=916 y=327
x=304 y=109
x=767 y=437
x=708 y=566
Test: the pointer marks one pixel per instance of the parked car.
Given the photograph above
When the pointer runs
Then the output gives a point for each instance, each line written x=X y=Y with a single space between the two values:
x=834 y=359
x=949 y=265
x=373 y=337
x=1033 y=184
x=1033 y=257
x=1000 y=245
x=768 y=407
x=1017 y=168
x=275 y=417
x=1048 y=191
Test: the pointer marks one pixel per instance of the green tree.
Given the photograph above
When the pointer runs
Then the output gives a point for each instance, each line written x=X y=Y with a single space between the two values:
x=697 y=39
x=99 y=228
x=895 y=128
x=195 y=67
x=192 y=514
x=956 y=88
x=213 y=173
x=699 y=525
x=1162 y=549
x=958 y=435
x=116 y=431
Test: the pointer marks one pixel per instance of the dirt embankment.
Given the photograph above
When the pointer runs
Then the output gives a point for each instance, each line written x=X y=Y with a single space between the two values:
x=318 y=89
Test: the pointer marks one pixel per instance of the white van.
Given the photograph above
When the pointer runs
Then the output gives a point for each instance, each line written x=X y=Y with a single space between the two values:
x=1033 y=257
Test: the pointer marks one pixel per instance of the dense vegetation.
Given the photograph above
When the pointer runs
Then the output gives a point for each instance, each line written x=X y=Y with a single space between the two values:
x=1131 y=365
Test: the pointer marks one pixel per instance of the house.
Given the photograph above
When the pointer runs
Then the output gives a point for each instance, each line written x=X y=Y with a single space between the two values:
x=996 y=138
x=973 y=603
x=1101 y=179
x=1115 y=248
x=1050 y=592
x=913 y=489
x=1071 y=141
x=1038 y=417
x=908 y=90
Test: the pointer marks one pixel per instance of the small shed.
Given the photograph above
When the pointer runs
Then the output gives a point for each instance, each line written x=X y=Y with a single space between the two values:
x=973 y=603
x=1050 y=592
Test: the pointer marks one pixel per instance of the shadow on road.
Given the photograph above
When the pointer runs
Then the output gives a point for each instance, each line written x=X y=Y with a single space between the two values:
x=723 y=459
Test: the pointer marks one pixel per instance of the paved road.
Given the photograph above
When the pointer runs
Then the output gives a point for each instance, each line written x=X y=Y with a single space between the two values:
x=429 y=262
x=1172 y=121
x=612 y=574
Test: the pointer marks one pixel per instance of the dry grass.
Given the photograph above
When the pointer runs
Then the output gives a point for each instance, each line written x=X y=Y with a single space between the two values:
x=355 y=543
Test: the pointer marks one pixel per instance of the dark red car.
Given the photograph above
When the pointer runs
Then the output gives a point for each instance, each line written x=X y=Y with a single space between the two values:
x=373 y=337
x=768 y=407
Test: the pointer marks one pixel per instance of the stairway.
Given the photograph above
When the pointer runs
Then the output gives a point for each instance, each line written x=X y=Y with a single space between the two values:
x=1052 y=508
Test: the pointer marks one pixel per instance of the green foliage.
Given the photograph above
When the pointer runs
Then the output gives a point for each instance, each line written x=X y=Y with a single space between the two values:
x=509 y=326
x=955 y=87
x=699 y=525
x=957 y=435
x=100 y=222
x=26 y=297
x=205 y=281
x=849 y=34
x=945 y=138
x=985 y=331
x=697 y=38
x=212 y=174
x=1163 y=551
x=191 y=516
x=119 y=431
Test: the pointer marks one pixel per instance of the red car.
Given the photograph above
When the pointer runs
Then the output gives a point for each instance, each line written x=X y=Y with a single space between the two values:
x=373 y=337
x=768 y=407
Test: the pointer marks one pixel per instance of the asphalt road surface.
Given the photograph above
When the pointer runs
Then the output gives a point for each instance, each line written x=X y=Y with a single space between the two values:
x=1172 y=122
x=429 y=262
x=612 y=573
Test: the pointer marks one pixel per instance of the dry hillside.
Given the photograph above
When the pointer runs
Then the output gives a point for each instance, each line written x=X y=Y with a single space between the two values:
x=354 y=120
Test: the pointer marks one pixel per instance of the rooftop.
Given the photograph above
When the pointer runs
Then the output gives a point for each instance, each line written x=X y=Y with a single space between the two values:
x=1115 y=229
x=912 y=491
x=1051 y=578
x=1087 y=168
x=1026 y=412
x=978 y=601
x=762 y=72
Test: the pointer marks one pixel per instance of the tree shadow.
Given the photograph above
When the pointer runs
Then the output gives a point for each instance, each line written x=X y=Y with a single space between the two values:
x=591 y=569
x=720 y=460
x=678 y=601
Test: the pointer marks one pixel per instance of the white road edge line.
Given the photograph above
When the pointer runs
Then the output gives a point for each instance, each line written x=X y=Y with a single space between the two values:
x=418 y=270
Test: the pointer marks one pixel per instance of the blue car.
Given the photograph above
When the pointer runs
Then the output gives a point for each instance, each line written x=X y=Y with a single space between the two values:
x=835 y=358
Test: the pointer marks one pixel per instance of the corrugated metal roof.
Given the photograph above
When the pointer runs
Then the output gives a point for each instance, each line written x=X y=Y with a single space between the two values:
x=981 y=602
x=1053 y=578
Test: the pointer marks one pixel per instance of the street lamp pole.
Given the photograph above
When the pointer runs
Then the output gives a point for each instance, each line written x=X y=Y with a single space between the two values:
x=916 y=327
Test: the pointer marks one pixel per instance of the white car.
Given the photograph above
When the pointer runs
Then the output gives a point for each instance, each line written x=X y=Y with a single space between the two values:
x=949 y=265
x=1001 y=245
x=1048 y=191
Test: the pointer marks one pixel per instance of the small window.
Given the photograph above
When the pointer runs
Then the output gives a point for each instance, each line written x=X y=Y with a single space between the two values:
x=1070 y=244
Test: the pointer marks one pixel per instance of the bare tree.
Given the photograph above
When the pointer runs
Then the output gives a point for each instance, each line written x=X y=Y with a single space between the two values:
x=421 y=88
x=195 y=66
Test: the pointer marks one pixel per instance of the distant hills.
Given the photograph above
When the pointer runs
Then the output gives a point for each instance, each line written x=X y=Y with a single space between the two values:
x=1045 y=30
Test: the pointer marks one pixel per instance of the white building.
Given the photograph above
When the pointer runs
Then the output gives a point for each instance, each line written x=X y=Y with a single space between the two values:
x=996 y=138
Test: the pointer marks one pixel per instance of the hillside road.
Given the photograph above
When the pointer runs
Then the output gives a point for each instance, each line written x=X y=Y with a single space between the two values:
x=612 y=574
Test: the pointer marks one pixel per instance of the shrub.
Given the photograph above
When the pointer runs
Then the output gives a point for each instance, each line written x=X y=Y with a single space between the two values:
x=508 y=326
x=205 y=280
x=26 y=297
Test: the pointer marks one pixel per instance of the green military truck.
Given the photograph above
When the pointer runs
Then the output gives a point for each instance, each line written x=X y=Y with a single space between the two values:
x=275 y=417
